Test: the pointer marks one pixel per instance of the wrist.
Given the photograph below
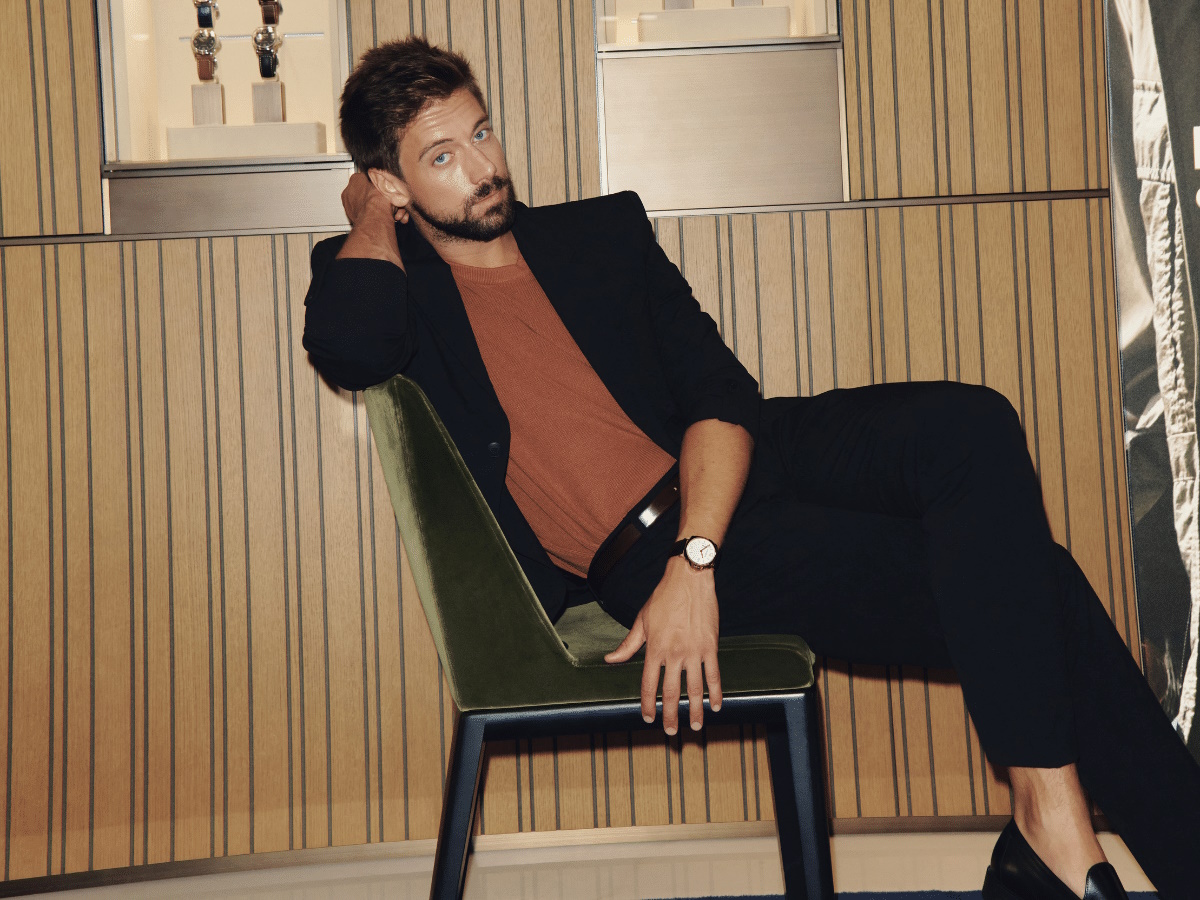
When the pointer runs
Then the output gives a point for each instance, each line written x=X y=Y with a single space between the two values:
x=697 y=551
x=378 y=221
x=370 y=241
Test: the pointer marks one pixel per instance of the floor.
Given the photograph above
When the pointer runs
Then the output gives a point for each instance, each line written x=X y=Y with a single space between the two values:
x=704 y=864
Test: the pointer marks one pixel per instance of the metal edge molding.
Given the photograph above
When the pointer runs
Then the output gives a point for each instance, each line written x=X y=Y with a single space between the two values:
x=173 y=203
x=303 y=228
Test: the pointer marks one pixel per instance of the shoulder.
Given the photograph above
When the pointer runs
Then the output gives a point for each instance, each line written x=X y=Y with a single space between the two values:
x=324 y=251
x=622 y=203
x=608 y=220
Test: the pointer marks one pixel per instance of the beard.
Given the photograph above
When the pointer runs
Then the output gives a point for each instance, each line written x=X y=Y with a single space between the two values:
x=483 y=228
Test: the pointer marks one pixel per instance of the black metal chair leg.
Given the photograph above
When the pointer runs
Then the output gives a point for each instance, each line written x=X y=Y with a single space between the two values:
x=458 y=809
x=798 y=784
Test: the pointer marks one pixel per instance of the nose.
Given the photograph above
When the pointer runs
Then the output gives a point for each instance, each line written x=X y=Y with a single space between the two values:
x=481 y=168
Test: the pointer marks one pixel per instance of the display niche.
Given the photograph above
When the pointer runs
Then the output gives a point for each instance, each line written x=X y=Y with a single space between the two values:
x=652 y=24
x=223 y=79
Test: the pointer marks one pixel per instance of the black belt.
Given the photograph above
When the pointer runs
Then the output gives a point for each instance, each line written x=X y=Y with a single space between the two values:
x=662 y=498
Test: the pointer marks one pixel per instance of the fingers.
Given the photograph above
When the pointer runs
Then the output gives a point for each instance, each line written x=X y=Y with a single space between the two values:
x=670 y=698
x=712 y=674
x=650 y=690
x=695 y=693
x=672 y=688
x=632 y=643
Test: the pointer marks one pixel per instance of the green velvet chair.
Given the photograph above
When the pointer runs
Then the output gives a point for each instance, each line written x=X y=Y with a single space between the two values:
x=513 y=673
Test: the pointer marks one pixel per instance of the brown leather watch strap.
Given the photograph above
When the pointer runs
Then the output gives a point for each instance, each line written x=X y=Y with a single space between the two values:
x=206 y=67
x=270 y=11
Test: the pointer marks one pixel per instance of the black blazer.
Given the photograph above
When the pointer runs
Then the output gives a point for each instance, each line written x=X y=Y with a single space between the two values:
x=626 y=305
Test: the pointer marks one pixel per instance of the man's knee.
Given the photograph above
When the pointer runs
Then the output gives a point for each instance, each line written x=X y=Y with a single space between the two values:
x=968 y=419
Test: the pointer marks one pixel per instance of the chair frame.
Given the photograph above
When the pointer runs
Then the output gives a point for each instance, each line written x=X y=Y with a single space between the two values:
x=489 y=606
x=793 y=747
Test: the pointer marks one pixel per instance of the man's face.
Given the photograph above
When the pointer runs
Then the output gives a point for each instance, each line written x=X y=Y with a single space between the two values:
x=454 y=168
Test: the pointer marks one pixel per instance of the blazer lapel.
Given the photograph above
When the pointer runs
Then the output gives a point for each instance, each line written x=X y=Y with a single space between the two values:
x=432 y=287
x=582 y=302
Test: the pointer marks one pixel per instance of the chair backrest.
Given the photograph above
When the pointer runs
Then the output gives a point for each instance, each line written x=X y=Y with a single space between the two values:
x=487 y=623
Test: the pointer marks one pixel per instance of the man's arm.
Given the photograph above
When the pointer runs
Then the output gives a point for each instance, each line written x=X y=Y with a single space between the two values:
x=356 y=323
x=680 y=623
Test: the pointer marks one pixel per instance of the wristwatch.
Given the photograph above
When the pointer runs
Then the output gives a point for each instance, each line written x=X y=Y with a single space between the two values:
x=700 y=552
x=266 y=45
x=206 y=11
x=205 y=45
x=270 y=11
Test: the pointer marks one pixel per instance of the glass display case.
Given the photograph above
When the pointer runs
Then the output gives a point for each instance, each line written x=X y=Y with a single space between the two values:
x=221 y=79
x=672 y=23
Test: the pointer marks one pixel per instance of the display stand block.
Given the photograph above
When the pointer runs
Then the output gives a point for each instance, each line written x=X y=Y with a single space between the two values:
x=267 y=98
x=724 y=24
x=241 y=141
x=208 y=104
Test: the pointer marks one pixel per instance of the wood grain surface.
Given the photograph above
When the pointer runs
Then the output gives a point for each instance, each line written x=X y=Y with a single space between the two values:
x=50 y=109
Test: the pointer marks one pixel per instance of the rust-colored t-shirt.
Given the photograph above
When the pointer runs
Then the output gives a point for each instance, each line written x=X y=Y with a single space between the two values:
x=576 y=464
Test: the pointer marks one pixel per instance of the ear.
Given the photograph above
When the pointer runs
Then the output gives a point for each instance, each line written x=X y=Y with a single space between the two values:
x=391 y=186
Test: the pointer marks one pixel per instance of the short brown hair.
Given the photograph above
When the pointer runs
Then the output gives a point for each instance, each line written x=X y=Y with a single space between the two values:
x=391 y=84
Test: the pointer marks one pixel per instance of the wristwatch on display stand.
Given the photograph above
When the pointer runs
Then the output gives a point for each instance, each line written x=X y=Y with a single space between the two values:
x=266 y=45
x=270 y=11
x=206 y=12
x=205 y=45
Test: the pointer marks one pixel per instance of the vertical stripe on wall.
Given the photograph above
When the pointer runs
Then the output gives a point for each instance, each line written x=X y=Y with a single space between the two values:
x=984 y=97
x=50 y=106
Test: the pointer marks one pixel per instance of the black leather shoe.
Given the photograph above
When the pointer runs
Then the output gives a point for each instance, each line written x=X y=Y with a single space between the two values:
x=1016 y=873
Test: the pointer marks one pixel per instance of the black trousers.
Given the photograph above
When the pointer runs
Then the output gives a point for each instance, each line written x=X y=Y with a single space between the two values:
x=904 y=524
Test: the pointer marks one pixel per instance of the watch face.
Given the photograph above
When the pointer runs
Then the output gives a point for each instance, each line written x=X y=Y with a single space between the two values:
x=266 y=39
x=205 y=43
x=700 y=552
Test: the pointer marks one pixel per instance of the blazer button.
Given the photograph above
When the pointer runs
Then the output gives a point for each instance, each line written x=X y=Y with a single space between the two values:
x=493 y=449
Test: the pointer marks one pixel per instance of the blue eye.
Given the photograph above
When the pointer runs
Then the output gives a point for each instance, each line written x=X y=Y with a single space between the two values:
x=482 y=134
x=441 y=159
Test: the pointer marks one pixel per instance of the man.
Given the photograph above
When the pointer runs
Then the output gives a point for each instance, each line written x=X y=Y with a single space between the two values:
x=587 y=393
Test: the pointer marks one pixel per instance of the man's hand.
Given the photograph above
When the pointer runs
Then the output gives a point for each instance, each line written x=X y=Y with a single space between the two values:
x=364 y=202
x=679 y=626
x=372 y=222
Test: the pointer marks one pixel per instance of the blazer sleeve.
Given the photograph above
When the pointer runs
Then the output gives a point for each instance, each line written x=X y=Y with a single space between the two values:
x=706 y=379
x=357 y=319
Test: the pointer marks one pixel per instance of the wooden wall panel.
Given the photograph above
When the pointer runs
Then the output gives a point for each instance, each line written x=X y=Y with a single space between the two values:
x=957 y=97
x=50 y=104
x=213 y=640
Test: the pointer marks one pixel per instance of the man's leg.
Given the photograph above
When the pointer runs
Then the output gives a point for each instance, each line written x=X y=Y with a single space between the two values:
x=1045 y=673
x=952 y=458
x=1131 y=761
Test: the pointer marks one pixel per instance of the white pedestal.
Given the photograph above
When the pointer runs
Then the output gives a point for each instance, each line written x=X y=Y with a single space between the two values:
x=267 y=100
x=208 y=103
x=237 y=141
x=731 y=23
